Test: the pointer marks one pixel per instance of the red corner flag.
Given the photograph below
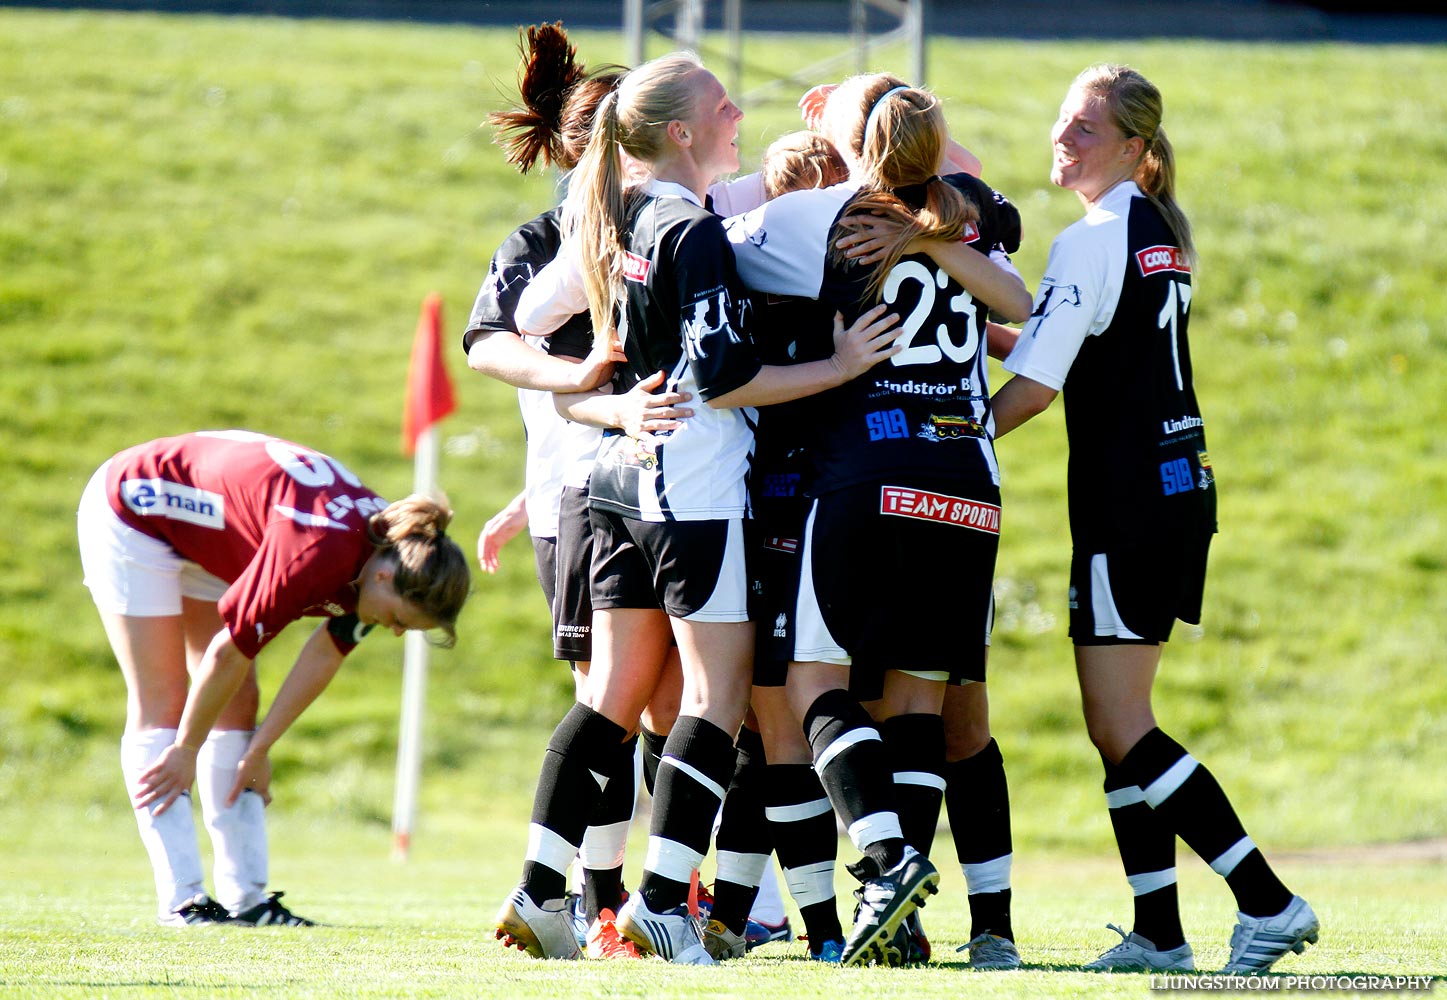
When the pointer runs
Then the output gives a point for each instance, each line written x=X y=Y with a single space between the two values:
x=429 y=390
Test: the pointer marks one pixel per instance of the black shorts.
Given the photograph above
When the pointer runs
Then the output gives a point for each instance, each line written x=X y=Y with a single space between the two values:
x=689 y=569
x=1134 y=594
x=776 y=544
x=573 y=605
x=899 y=577
x=544 y=554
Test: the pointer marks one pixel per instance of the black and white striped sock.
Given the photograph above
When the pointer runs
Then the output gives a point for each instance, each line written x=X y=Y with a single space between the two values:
x=1148 y=853
x=742 y=840
x=697 y=766
x=916 y=747
x=806 y=840
x=567 y=790
x=606 y=839
x=1190 y=801
x=853 y=766
x=977 y=799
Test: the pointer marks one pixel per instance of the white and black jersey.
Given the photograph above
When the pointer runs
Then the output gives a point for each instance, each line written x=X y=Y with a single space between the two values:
x=924 y=411
x=1109 y=328
x=553 y=443
x=685 y=313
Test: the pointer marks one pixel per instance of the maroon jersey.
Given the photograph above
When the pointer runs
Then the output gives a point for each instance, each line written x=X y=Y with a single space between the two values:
x=285 y=526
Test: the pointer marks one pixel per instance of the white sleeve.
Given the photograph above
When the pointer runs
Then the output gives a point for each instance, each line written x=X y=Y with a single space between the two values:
x=555 y=295
x=781 y=246
x=1002 y=260
x=1074 y=301
x=739 y=195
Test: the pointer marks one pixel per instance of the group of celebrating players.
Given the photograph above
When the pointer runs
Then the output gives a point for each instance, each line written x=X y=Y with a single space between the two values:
x=765 y=507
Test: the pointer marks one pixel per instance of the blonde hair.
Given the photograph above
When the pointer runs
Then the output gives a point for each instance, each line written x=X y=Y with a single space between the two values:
x=634 y=118
x=1136 y=108
x=896 y=135
x=429 y=569
x=802 y=160
x=559 y=97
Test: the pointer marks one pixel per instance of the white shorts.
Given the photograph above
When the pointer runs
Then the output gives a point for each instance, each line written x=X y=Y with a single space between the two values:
x=129 y=572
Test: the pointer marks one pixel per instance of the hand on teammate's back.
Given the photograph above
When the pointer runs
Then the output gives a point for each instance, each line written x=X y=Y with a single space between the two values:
x=867 y=342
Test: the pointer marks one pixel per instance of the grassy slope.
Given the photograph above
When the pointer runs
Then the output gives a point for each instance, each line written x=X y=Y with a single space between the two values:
x=210 y=222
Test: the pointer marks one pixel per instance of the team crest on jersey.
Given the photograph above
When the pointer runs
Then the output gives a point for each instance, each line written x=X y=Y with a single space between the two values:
x=1153 y=260
x=712 y=314
x=1052 y=297
x=635 y=268
x=949 y=428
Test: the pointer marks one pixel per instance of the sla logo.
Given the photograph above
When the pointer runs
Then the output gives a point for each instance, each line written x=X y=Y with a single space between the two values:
x=175 y=501
x=781 y=626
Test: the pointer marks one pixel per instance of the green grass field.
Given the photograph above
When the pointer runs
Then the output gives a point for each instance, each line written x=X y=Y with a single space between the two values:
x=211 y=222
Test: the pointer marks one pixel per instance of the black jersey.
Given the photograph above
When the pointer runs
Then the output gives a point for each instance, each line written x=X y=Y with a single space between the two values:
x=1109 y=328
x=553 y=443
x=926 y=409
x=687 y=314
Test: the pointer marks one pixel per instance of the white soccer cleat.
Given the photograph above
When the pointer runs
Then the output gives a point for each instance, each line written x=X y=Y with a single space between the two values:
x=1138 y=954
x=722 y=943
x=673 y=936
x=544 y=931
x=990 y=951
x=1257 y=942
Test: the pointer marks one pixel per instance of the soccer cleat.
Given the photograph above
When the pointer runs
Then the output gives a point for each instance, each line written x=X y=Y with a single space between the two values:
x=722 y=943
x=578 y=912
x=604 y=941
x=756 y=932
x=884 y=902
x=990 y=951
x=1257 y=942
x=199 y=909
x=830 y=951
x=544 y=931
x=1138 y=954
x=270 y=913
x=672 y=935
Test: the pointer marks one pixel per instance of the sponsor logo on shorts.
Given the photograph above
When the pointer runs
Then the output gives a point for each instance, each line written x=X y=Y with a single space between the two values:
x=789 y=545
x=948 y=428
x=635 y=268
x=574 y=630
x=1153 y=260
x=781 y=626
x=922 y=505
x=176 y=501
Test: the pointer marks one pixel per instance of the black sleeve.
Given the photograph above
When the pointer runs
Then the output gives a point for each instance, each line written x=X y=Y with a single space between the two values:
x=527 y=250
x=347 y=629
x=999 y=218
x=715 y=309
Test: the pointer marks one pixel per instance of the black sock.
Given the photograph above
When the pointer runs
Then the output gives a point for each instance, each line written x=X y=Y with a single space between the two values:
x=685 y=801
x=853 y=767
x=566 y=794
x=1190 y=801
x=806 y=839
x=1148 y=853
x=652 y=753
x=742 y=841
x=916 y=747
x=603 y=877
x=977 y=799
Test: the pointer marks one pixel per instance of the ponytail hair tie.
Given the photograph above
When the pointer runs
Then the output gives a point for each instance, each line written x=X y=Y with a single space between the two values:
x=874 y=111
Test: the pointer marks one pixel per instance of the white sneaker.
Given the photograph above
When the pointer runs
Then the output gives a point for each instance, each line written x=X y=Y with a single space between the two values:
x=1257 y=942
x=673 y=935
x=1138 y=954
x=722 y=943
x=990 y=951
x=544 y=931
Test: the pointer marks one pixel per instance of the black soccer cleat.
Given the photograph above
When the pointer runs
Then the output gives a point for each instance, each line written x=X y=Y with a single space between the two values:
x=199 y=909
x=885 y=901
x=271 y=912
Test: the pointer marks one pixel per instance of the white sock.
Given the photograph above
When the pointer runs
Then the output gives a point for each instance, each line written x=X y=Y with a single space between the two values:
x=238 y=833
x=769 y=903
x=170 y=838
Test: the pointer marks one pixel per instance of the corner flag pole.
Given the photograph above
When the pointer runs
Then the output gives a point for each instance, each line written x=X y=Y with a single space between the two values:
x=429 y=399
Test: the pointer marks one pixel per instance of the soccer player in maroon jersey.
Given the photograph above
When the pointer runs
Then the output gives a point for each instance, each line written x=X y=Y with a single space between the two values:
x=1109 y=330
x=198 y=550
